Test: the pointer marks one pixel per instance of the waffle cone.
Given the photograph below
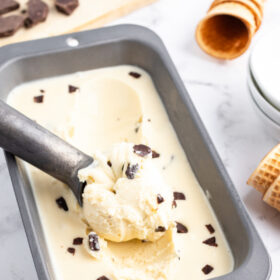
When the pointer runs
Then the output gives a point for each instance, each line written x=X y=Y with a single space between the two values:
x=259 y=3
x=227 y=30
x=255 y=9
x=267 y=171
x=272 y=195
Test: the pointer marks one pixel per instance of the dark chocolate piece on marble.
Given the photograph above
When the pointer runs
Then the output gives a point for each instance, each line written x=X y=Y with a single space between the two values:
x=9 y=25
x=66 y=7
x=37 y=11
x=7 y=6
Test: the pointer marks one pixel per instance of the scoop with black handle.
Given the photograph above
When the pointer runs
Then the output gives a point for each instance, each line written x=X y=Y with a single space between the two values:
x=31 y=142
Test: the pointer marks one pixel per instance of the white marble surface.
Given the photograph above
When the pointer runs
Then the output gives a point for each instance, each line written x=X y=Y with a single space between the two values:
x=219 y=92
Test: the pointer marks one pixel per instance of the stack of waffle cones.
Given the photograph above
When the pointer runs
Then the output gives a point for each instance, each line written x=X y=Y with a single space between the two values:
x=266 y=178
x=228 y=28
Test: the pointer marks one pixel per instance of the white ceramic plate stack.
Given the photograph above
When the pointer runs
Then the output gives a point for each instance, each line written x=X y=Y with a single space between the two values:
x=264 y=81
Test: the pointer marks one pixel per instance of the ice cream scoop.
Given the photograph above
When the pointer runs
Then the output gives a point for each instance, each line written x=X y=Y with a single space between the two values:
x=31 y=142
x=126 y=197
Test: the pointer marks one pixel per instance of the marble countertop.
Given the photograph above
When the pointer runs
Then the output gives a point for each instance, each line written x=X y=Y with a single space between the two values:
x=219 y=92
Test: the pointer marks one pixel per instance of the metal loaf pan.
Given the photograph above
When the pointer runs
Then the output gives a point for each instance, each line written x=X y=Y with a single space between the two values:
x=135 y=45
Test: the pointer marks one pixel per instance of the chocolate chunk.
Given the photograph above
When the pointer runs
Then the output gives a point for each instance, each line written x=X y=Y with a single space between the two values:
x=38 y=99
x=93 y=242
x=160 y=229
x=109 y=163
x=42 y=91
x=135 y=75
x=37 y=11
x=62 y=203
x=71 y=250
x=7 y=6
x=155 y=154
x=136 y=129
x=103 y=278
x=181 y=228
x=211 y=242
x=179 y=196
x=10 y=25
x=207 y=269
x=174 y=204
x=160 y=199
x=141 y=150
x=131 y=170
x=210 y=228
x=78 y=241
x=72 y=89
x=23 y=12
x=66 y=7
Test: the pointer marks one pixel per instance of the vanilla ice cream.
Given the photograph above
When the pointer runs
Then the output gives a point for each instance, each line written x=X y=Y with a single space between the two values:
x=133 y=201
x=144 y=215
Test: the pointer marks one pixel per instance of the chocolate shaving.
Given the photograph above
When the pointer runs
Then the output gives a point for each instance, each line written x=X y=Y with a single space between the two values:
x=93 y=242
x=211 y=242
x=210 y=228
x=78 y=241
x=38 y=99
x=181 y=228
x=141 y=150
x=62 y=203
x=135 y=75
x=131 y=170
x=109 y=163
x=72 y=89
x=10 y=25
x=103 y=278
x=160 y=199
x=160 y=229
x=179 y=196
x=71 y=250
x=66 y=7
x=174 y=204
x=37 y=11
x=7 y=6
x=155 y=154
x=207 y=269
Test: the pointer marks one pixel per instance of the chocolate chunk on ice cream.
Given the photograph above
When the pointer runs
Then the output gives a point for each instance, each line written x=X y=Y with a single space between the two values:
x=211 y=242
x=66 y=7
x=134 y=74
x=207 y=269
x=78 y=241
x=7 y=6
x=37 y=11
x=179 y=196
x=38 y=99
x=210 y=228
x=93 y=242
x=131 y=170
x=9 y=25
x=71 y=250
x=61 y=203
x=181 y=228
x=72 y=89
x=142 y=150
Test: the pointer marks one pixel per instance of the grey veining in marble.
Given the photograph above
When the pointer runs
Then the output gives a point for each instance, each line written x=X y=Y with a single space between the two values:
x=219 y=92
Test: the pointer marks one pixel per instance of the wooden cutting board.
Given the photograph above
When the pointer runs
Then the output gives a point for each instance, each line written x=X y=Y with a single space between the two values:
x=89 y=14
